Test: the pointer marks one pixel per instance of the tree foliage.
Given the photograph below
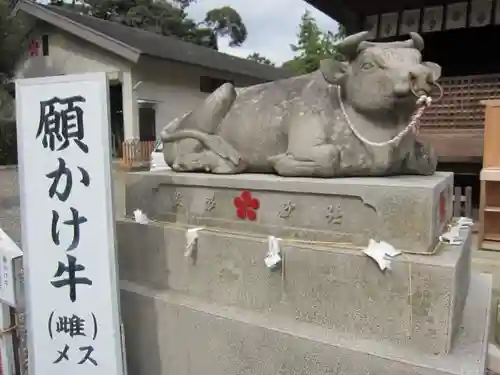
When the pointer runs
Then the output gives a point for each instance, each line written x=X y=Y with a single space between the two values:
x=226 y=21
x=12 y=35
x=13 y=31
x=313 y=45
x=168 y=17
x=260 y=59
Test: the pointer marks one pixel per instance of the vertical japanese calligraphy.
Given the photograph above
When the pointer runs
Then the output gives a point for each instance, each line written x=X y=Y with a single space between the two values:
x=75 y=222
x=73 y=326
x=68 y=230
x=59 y=126
x=72 y=281
x=63 y=171
x=62 y=125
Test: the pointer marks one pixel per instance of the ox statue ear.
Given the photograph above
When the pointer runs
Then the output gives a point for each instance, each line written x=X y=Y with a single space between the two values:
x=333 y=71
x=434 y=68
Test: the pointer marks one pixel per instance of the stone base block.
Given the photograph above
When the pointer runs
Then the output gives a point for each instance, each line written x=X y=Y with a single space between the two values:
x=418 y=303
x=409 y=212
x=166 y=333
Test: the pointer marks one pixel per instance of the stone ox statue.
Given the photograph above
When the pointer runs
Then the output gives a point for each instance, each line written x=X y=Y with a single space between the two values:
x=352 y=118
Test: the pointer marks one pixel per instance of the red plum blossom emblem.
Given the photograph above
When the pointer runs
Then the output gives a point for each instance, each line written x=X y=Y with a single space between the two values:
x=246 y=206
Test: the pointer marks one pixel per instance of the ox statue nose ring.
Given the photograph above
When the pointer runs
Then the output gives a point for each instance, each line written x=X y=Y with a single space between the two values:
x=433 y=84
x=441 y=91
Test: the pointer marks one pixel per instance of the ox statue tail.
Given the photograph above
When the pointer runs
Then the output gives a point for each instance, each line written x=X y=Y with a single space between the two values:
x=212 y=142
x=201 y=123
x=208 y=115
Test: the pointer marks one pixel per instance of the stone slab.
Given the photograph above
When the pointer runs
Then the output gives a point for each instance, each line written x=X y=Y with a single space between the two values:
x=167 y=333
x=419 y=303
x=409 y=212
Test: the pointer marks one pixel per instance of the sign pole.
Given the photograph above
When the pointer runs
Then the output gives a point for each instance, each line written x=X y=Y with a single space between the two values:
x=22 y=344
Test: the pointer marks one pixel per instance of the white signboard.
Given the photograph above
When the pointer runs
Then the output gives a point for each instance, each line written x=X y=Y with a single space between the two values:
x=432 y=19
x=8 y=252
x=497 y=13
x=480 y=13
x=388 y=25
x=456 y=15
x=410 y=21
x=68 y=230
x=371 y=25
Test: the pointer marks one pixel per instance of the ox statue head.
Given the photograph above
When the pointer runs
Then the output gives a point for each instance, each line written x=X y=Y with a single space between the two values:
x=378 y=76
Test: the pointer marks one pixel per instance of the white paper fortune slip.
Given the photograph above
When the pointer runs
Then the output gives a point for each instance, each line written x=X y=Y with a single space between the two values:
x=140 y=217
x=191 y=240
x=273 y=257
x=381 y=252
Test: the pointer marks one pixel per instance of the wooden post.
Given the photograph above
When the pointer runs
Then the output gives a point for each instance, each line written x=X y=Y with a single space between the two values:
x=490 y=179
x=457 y=202
x=491 y=149
x=468 y=202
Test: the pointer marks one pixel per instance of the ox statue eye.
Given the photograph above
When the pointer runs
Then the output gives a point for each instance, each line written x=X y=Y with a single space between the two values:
x=367 y=66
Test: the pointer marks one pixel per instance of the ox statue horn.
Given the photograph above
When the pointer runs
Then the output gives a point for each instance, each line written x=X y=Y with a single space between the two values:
x=417 y=40
x=349 y=46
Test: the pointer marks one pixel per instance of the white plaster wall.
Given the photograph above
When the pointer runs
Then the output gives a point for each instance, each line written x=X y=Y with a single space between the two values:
x=175 y=87
x=69 y=55
x=172 y=101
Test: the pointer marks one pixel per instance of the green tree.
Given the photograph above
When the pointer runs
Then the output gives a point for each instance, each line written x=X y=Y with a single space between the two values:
x=13 y=31
x=168 y=18
x=313 y=45
x=260 y=59
x=226 y=21
x=12 y=42
x=12 y=39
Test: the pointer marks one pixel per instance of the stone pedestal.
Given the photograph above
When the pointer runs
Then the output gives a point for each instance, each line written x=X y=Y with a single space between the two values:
x=170 y=333
x=418 y=303
x=409 y=212
x=328 y=308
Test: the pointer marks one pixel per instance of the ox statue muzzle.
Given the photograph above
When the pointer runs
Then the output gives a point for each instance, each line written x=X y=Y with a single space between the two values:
x=418 y=81
x=422 y=82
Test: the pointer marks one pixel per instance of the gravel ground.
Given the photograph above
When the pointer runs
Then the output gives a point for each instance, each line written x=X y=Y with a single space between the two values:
x=10 y=213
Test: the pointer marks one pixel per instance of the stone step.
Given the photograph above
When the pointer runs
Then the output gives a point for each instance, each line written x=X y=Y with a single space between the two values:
x=418 y=303
x=167 y=333
x=409 y=212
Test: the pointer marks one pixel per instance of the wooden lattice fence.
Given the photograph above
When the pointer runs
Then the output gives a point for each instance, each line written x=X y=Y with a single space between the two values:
x=462 y=202
x=460 y=107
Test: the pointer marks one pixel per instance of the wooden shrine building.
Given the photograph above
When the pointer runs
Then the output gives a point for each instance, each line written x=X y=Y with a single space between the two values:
x=462 y=37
